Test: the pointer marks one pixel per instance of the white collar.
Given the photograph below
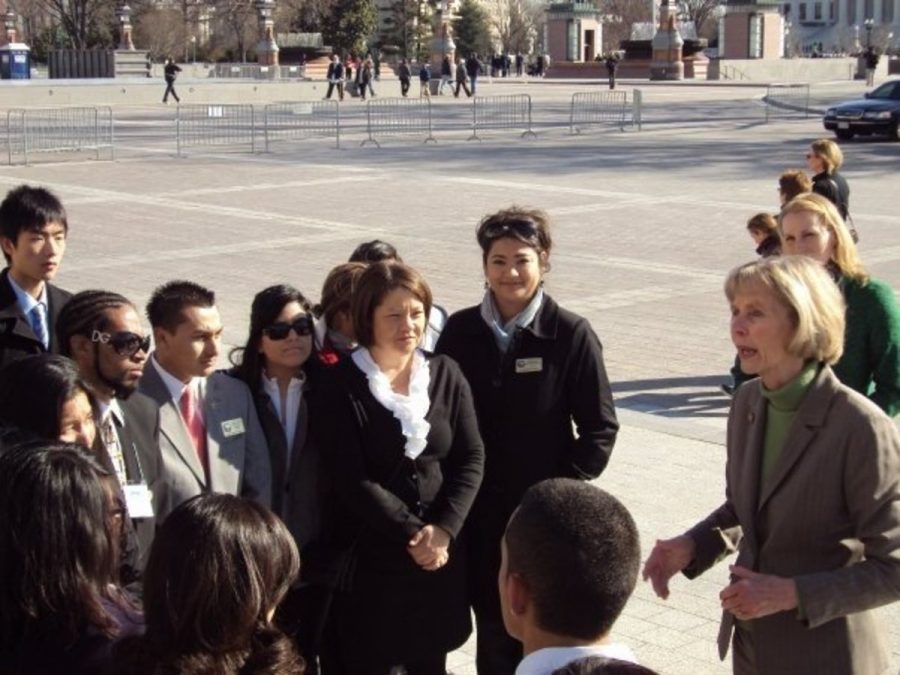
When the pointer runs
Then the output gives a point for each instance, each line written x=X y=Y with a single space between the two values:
x=174 y=386
x=111 y=408
x=409 y=410
x=270 y=384
x=26 y=301
x=545 y=661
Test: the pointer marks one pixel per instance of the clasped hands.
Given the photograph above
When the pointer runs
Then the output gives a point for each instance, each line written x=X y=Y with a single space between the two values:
x=429 y=547
x=750 y=595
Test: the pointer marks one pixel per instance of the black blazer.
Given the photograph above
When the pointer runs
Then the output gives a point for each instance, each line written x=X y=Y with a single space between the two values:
x=297 y=491
x=17 y=339
x=139 y=436
x=395 y=612
x=527 y=399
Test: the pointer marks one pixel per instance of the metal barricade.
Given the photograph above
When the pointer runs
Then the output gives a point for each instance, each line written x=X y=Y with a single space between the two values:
x=637 y=108
x=253 y=71
x=214 y=124
x=597 y=107
x=49 y=130
x=502 y=112
x=398 y=116
x=787 y=99
x=295 y=121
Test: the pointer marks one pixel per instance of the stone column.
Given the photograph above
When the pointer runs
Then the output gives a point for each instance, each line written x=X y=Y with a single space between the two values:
x=9 y=21
x=442 y=44
x=123 y=13
x=667 y=63
x=266 y=48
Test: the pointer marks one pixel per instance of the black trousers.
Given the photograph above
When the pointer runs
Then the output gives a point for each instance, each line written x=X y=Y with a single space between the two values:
x=460 y=83
x=170 y=89
x=340 y=88
x=404 y=87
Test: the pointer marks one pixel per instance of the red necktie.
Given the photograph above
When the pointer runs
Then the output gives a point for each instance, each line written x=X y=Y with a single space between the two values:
x=194 y=423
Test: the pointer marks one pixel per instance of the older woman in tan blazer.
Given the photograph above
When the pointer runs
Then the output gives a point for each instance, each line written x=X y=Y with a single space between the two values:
x=812 y=502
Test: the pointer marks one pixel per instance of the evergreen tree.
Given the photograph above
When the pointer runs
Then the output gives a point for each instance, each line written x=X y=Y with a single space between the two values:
x=408 y=27
x=471 y=30
x=347 y=27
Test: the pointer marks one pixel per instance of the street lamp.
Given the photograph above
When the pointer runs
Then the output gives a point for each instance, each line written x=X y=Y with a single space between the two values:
x=123 y=14
x=869 y=24
x=787 y=37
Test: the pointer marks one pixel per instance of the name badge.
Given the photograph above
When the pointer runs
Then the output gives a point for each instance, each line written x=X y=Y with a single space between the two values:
x=533 y=365
x=233 y=427
x=138 y=500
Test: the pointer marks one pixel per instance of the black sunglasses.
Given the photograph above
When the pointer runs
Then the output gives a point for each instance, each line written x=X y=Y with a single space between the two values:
x=524 y=229
x=279 y=330
x=125 y=343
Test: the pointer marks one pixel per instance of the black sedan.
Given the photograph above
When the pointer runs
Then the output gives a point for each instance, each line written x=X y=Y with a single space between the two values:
x=877 y=113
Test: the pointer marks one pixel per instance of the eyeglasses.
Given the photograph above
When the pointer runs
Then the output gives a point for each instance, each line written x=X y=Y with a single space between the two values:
x=279 y=330
x=525 y=229
x=124 y=343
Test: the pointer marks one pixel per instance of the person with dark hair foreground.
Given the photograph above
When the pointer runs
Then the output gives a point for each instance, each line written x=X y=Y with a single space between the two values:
x=601 y=665
x=569 y=563
x=45 y=397
x=543 y=399
x=399 y=437
x=60 y=607
x=218 y=569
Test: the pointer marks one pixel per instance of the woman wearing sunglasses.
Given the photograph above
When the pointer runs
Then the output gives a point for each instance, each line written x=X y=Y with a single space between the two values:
x=273 y=364
x=534 y=369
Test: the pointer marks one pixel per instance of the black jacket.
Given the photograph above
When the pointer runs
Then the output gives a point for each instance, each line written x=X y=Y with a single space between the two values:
x=17 y=339
x=835 y=189
x=552 y=374
x=394 y=611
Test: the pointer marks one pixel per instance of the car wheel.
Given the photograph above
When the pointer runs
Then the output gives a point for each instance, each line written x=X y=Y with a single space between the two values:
x=894 y=132
x=843 y=134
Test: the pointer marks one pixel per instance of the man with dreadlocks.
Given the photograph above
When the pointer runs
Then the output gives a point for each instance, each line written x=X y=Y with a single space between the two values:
x=101 y=331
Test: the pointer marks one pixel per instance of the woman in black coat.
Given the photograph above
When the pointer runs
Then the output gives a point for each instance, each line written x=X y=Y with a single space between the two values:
x=534 y=369
x=399 y=434
x=824 y=158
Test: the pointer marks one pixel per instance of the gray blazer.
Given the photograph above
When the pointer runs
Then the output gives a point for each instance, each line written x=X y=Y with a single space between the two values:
x=238 y=462
x=829 y=518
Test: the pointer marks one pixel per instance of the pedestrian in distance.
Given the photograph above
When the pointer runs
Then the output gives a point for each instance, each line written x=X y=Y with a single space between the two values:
x=824 y=158
x=612 y=65
x=872 y=59
x=171 y=71
x=335 y=77
x=446 y=75
x=370 y=66
x=405 y=76
x=425 y=81
x=462 y=79
x=364 y=79
x=473 y=68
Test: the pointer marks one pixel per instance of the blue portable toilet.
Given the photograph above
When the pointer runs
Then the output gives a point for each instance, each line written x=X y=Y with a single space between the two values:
x=15 y=61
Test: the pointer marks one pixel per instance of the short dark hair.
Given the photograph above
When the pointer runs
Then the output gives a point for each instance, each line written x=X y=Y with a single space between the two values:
x=337 y=290
x=84 y=313
x=602 y=665
x=166 y=305
x=209 y=605
x=374 y=251
x=56 y=553
x=530 y=226
x=33 y=391
x=29 y=208
x=374 y=284
x=576 y=548
x=267 y=305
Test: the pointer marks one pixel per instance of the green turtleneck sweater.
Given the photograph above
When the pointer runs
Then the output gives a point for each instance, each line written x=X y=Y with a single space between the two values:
x=782 y=405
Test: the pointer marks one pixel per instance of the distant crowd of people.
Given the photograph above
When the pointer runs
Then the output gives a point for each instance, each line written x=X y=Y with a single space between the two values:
x=371 y=470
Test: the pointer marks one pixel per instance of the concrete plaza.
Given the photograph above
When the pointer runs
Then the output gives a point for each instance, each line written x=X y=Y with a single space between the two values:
x=646 y=224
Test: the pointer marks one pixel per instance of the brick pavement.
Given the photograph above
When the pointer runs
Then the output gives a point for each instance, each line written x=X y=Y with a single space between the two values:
x=646 y=225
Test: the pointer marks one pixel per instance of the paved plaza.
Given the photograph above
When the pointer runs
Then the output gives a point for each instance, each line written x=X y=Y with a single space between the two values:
x=646 y=225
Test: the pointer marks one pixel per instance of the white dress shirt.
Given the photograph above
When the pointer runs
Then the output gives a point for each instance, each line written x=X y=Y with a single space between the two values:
x=27 y=303
x=177 y=388
x=288 y=415
x=545 y=661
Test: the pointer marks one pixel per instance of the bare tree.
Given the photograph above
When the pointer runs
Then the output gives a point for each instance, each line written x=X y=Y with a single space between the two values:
x=618 y=18
x=699 y=11
x=83 y=21
x=161 y=32
x=238 y=18
x=514 y=23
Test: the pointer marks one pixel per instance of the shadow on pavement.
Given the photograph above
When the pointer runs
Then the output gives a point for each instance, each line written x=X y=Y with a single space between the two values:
x=675 y=397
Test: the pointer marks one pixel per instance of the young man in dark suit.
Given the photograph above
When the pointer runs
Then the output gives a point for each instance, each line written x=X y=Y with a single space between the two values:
x=101 y=331
x=33 y=231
